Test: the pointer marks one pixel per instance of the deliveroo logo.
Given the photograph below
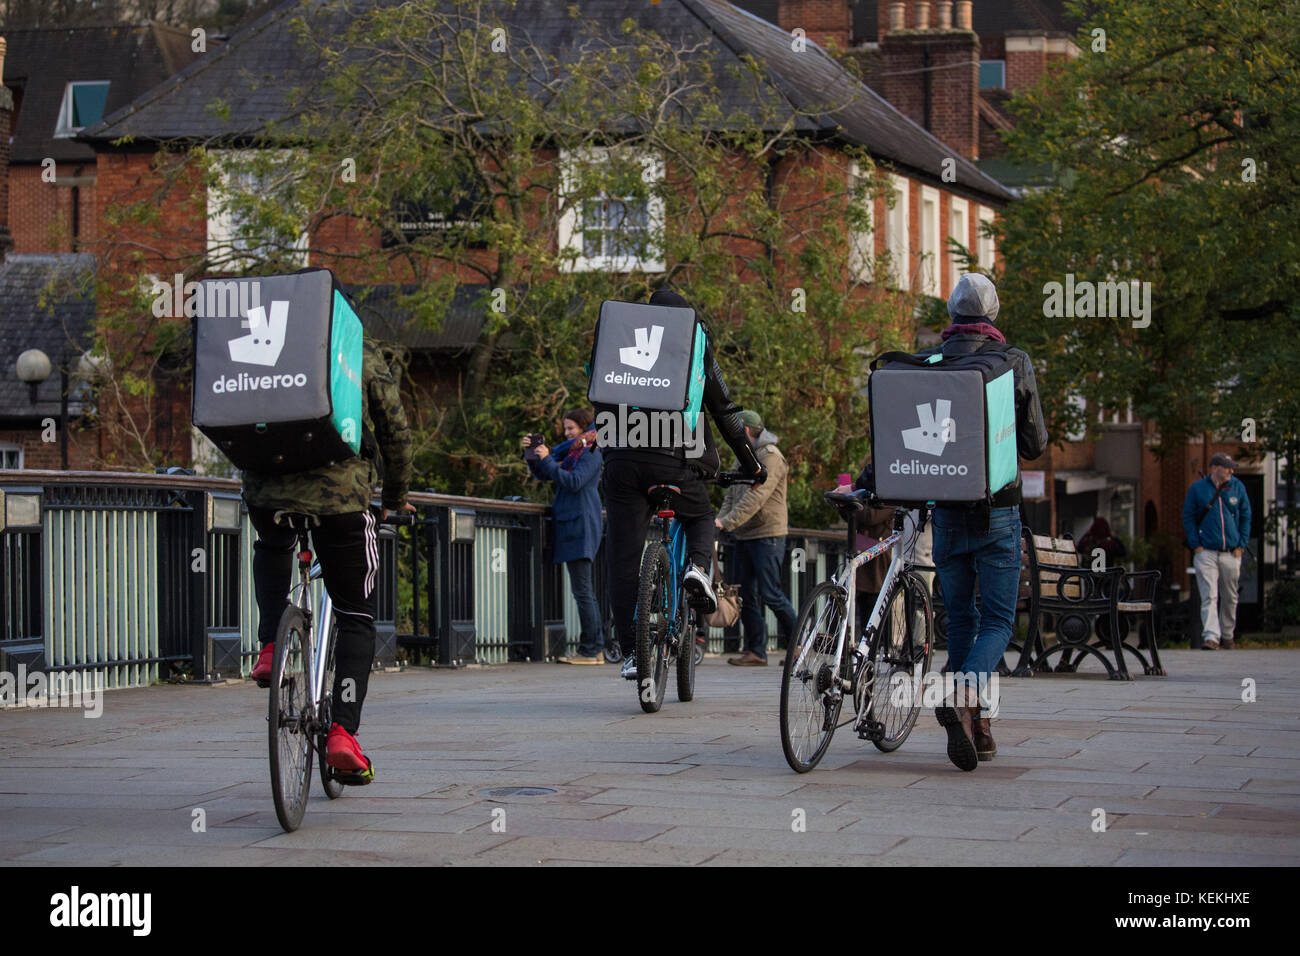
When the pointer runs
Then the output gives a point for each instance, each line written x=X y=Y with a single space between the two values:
x=265 y=339
x=936 y=430
x=645 y=353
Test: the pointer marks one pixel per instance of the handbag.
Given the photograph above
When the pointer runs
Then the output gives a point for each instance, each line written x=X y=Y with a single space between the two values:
x=728 y=612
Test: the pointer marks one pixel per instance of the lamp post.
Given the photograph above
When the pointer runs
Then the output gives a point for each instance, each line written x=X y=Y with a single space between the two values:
x=34 y=367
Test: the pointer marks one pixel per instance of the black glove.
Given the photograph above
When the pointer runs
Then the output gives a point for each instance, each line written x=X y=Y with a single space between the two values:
x=760 y=476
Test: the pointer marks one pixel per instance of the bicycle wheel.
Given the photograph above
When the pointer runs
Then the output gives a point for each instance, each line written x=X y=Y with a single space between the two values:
x=897 y=662
x=652 y=624
x=290 y=735
x=333 y=787
x=810 y=707
x=686 y=646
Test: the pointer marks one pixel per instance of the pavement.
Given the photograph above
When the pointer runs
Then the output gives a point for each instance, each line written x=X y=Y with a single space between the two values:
x=1181 y=770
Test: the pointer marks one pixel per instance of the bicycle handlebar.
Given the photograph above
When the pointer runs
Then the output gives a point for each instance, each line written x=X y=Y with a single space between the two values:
x=725 y=478
x=399 y=518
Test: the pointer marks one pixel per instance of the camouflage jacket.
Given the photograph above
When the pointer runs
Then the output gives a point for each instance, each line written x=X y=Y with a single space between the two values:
x=347 y=486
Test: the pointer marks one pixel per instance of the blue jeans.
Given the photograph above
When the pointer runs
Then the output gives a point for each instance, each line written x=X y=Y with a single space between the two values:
x=592 y=641
x=963 y=552
x=760 y=581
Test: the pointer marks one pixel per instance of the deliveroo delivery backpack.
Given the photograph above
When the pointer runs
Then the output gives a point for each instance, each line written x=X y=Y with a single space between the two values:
x=277 y=371
x=650 y=358
x=943 y=428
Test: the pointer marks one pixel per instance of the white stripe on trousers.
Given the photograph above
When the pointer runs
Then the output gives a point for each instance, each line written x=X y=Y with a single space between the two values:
x=372 y=553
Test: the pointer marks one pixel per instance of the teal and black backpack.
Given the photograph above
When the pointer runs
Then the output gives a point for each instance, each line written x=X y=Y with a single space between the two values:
x=648 y=359
x=943 y=427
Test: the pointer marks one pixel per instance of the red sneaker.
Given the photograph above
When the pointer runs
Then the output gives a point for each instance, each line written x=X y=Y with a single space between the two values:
x=262 y=669
x=342 y=752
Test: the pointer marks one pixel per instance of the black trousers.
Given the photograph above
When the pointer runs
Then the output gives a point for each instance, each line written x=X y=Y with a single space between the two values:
x=349 y=558
x=629 y=510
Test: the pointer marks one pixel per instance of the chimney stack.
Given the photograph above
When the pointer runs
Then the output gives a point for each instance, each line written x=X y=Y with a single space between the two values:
x=6 y=130
x=823 y=21
x=931 y=73
x=897 y=17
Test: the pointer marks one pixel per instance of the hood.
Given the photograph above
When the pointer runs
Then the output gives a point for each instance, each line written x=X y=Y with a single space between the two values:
x=974 y=299
x=765 y=437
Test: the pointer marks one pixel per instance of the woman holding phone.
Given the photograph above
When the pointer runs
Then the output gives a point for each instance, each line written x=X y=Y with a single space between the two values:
x=574 y=465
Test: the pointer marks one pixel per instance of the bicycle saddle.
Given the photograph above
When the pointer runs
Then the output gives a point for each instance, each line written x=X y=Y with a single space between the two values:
x=296 y=520
x=662 y=490
x=853 y=501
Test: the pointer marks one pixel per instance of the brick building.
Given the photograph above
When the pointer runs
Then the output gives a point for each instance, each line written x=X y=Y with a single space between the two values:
x=952 y=67
x=932 y=207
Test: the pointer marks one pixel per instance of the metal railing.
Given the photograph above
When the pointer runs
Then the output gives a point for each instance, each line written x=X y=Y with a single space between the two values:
x=142 y=577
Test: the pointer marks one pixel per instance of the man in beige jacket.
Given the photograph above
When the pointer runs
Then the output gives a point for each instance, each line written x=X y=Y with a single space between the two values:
x=756 y=515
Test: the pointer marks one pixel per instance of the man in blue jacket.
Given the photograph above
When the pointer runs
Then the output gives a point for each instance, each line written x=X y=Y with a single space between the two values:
x=1216 y=520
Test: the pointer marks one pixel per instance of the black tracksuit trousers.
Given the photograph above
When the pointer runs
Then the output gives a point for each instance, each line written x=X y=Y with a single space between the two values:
x=349 y=556
x=629 y=510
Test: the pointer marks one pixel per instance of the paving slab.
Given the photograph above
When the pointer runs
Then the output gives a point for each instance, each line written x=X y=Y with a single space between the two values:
x=1188 y=774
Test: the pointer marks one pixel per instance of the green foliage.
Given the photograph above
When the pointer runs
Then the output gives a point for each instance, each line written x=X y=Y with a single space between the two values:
x=1282 y=607
x=1176 y=149
x=423 y=105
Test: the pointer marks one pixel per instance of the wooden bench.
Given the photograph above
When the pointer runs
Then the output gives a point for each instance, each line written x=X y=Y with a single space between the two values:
x=1084 y=607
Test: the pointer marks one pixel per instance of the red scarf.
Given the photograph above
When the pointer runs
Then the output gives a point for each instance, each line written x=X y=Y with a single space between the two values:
x=577 y=448
x=973 y=328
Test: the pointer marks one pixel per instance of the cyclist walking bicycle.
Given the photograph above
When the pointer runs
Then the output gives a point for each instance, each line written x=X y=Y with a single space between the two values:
x=637 y=459
x=338 y=496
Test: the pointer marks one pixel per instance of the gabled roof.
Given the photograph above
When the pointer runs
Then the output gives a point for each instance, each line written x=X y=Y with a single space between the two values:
x=251 y=77
x=46 y=303
x=41 y=62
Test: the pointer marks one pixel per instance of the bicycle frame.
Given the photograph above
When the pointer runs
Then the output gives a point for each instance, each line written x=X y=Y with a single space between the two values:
x=674 y=541
x=317 y=655
x=845 y=579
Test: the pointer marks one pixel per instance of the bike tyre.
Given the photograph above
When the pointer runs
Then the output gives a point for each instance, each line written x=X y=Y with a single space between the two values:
x=651 y=639
x=290 y=745
x=794 y=686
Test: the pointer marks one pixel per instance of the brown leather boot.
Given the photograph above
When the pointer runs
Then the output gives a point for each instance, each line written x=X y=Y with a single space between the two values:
x=982 y=732
x=958 y=720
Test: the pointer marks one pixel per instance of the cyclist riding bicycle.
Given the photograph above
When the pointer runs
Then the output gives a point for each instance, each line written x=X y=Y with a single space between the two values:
x=344 y=541
x=631 y=467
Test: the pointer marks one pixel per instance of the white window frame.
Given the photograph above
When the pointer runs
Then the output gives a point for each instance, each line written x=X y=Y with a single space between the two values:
x=220 y=228
x=898 y=229
x=569 y=228
x=958 y=209
x=986 y=246
x=928 y=280
x=63 y=127
x=5 y=448
x=862 y=243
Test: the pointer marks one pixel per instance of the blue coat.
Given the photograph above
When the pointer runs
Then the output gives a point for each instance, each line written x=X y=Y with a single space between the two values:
x=577 y=501
x=1226 y=525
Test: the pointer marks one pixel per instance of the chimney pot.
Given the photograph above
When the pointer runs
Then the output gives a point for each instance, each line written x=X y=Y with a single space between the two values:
x=2 y=59
x=897 y=16
x=923 y=15
x=963 y=14
x=945 y=14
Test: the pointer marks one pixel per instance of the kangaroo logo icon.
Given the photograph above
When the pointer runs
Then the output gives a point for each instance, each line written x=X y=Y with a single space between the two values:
x=645 y=353
x=265 y=339
x=936 y=430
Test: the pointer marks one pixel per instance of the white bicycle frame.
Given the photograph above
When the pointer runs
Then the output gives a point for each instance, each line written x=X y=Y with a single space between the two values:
x=845 y=579
x=316 y=656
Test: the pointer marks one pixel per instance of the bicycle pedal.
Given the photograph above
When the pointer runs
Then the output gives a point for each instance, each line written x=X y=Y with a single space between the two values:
x=355 y=778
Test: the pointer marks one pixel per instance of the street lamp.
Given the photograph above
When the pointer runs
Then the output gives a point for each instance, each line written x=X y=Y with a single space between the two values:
x=34 y=367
